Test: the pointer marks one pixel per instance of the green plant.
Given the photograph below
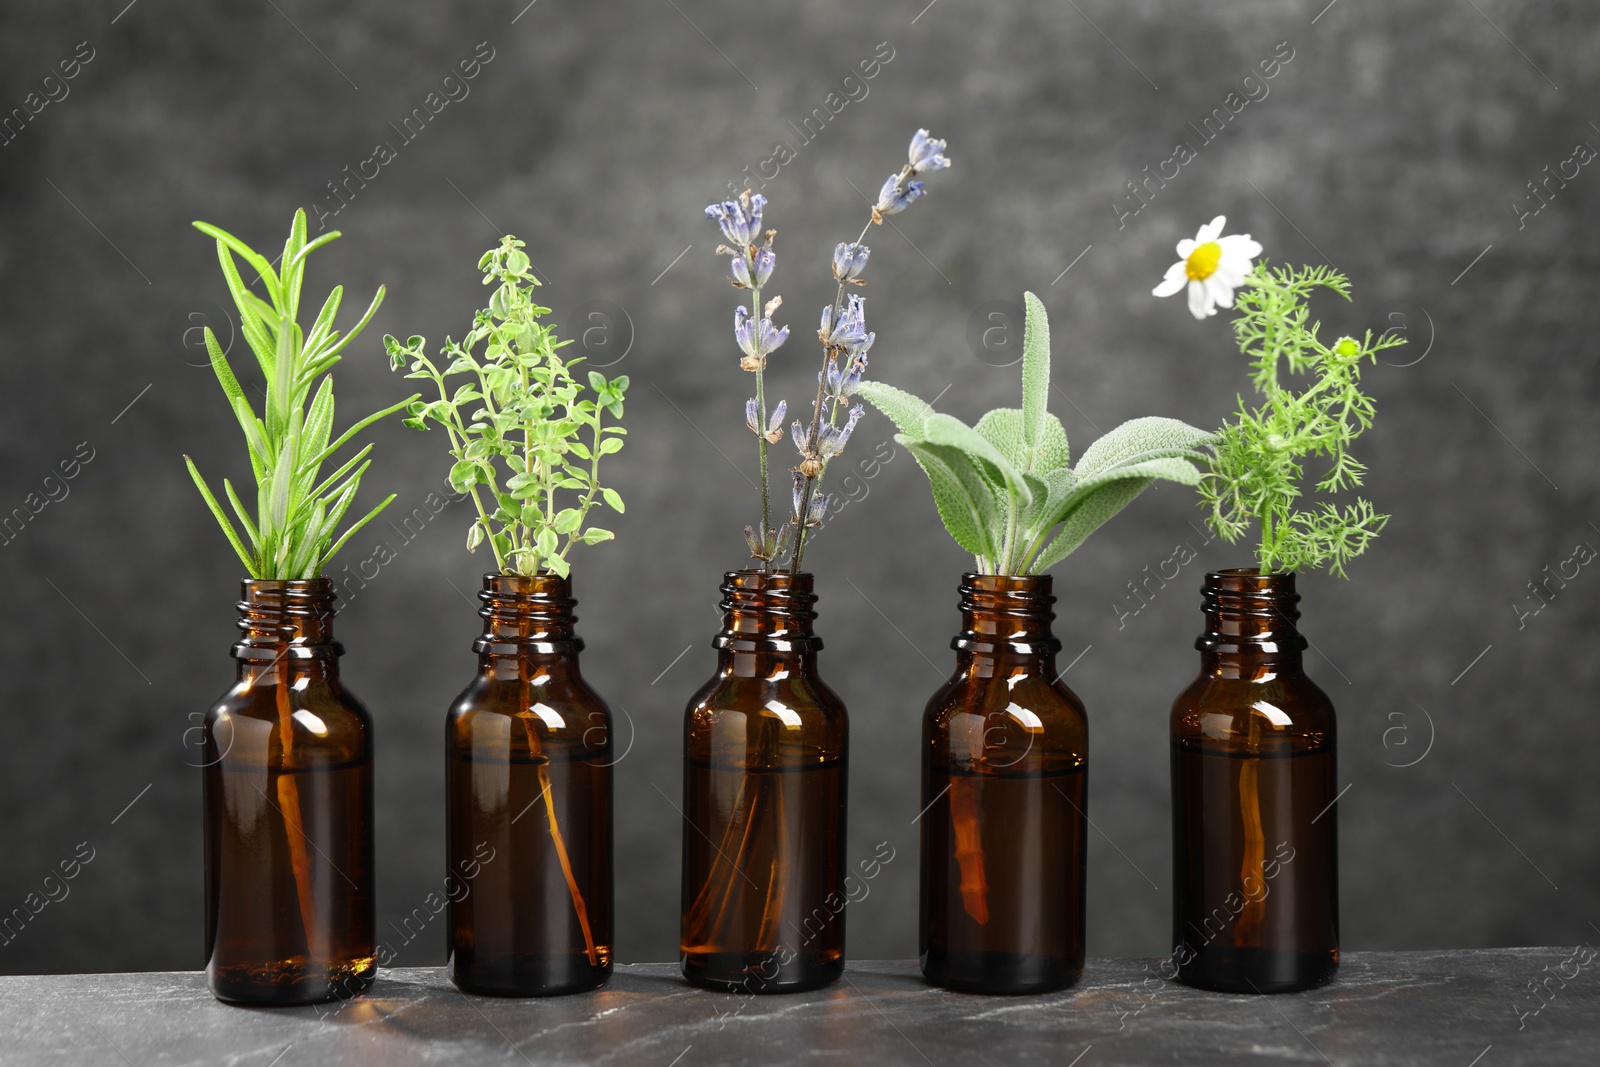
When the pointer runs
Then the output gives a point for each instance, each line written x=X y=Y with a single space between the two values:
x=520 y=405
x=1006 y=489
x=1257 y=469
x=297 y=512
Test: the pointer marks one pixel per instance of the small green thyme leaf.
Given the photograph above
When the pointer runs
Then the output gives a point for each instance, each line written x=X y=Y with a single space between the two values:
x=525 y=438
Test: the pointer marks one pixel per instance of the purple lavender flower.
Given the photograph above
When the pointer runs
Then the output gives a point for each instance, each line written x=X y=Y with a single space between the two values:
x=753 y=276
x=765 y=261
x=927 y=153
x=845 y=343
x=894 y=198
x=832 y=439
x=740 y=220
x=768 y=545
x=774 y=429
x=849 y=261
x=818 y=509
x=757 y=339
x=849 y=330
x=841 y=384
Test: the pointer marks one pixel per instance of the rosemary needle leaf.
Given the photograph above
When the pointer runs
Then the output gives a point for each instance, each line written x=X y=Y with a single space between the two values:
x=287 y=443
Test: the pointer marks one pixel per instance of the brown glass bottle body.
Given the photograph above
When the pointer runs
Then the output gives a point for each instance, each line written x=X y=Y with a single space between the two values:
x=1254 y=827
x=1005 y=750
x=765 y=773
x=529 y=787
x=288 y=819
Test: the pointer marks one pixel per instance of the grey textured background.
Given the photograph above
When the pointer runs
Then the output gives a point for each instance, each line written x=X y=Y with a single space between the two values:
x=1392 y=143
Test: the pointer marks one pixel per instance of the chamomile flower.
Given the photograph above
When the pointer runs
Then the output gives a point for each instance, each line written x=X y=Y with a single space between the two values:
x=1213 y=266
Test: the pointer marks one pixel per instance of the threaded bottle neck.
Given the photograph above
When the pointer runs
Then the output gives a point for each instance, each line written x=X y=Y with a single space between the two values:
x=1006 y=613
x=527 y=613
x=1250 y=614
x=767 y=612
x=286 y=620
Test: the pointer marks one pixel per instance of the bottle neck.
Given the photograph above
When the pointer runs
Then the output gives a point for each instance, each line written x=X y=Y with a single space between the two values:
x=287 y=623
x=768 y=614
x=526 y=617
x=1250 y=624
x=1006 y=617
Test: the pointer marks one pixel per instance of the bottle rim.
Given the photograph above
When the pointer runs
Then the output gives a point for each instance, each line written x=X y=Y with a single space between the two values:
x=544 y=598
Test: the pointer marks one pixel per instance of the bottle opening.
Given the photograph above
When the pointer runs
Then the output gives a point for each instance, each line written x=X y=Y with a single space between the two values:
x=286 y=618
x=767 y=611
x=1247 y=611
x=1006 y=612
x=527 y=613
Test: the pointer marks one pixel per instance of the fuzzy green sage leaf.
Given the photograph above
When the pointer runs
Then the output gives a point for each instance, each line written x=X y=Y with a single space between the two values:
x=1005 y=490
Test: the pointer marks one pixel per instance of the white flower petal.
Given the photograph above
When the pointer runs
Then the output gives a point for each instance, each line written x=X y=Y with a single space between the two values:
x=1233 y=255
x=1173 y=281
x=1240 y=244
x=1226 y=282
x=1185 y=247
x=1219 y=291
x=1200 y=305
x=1211 y=230
x=1233 y=271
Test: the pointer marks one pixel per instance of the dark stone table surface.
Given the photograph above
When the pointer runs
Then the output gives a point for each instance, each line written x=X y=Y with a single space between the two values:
x=1459 y=1008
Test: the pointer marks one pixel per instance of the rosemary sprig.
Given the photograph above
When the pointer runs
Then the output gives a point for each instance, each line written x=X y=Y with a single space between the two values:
x=297 y=512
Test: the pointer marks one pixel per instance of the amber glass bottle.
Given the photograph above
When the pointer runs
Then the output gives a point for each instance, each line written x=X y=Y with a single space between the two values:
x=1005 y=749
x=529 y=798
x=764 y=800
x=288 y=810
x=1255 y=907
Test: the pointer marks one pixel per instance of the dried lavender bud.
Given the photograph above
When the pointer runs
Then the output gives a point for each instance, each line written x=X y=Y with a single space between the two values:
x=849 y=330
x=894 y=197
x=756 y=339
x=926 y=153
x=774 y=432
x=832 y=439
x=849 y=261
x=841 y=385
x=740 y=220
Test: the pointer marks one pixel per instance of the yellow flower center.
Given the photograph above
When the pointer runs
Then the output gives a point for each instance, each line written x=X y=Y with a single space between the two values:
x=1202 y=262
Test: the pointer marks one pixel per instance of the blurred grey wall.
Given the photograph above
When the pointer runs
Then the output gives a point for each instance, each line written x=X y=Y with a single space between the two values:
x=1397 y=141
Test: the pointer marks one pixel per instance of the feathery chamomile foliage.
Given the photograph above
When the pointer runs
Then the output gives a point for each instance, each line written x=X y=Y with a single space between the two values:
x=1257 y=468
x=519 y=414
x=297 y=510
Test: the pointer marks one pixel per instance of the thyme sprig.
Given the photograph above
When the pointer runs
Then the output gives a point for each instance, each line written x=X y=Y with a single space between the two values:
x=519 y=414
